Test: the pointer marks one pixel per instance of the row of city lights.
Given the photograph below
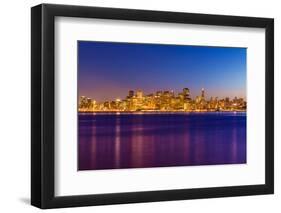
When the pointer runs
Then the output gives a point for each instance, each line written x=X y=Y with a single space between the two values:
x=162 y=101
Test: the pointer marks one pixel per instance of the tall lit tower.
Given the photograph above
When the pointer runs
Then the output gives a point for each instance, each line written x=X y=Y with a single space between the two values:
x=202 y=93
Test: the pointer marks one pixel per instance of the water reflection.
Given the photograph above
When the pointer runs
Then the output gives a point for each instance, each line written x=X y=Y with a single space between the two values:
x=109 y=141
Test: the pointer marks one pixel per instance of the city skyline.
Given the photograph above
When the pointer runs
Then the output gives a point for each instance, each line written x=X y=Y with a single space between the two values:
x=107 y=70
x=163 y=101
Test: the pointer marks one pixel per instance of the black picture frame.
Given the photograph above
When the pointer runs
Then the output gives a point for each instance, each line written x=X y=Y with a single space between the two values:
x=43 y=111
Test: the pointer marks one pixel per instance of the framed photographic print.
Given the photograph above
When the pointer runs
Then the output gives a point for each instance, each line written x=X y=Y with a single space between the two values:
x=138 y=106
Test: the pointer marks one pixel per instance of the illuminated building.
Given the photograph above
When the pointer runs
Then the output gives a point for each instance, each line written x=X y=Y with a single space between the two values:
x=185 y=92
x=202 y=93
x=139 y=94
x=131 y=94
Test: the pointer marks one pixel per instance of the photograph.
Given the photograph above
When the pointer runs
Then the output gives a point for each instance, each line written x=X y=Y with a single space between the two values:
x=136 y=105
x=144 y=105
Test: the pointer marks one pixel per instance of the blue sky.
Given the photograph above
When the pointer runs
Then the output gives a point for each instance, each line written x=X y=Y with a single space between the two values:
x=107 y=70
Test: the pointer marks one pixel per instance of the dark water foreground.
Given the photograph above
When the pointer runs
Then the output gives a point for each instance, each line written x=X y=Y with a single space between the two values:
x=112 y=141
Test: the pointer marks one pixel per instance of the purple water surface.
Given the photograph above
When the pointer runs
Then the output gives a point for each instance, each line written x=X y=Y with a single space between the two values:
x=114 y=141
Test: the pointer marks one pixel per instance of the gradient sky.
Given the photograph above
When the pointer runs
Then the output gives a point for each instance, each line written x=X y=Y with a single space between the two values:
x=108 y=70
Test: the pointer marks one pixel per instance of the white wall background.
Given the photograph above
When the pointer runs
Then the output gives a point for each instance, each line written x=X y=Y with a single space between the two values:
x=15 y=105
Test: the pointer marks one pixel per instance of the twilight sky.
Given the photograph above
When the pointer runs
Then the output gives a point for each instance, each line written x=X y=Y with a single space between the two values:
x=108 y=70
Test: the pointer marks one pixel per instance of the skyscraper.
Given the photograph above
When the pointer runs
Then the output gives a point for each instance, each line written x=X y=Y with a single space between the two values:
x=139 y=94
x=131 y=94
x=202 y=93
x=185 y=93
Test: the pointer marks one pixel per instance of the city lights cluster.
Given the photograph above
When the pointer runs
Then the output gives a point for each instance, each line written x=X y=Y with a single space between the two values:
x=163 y=101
